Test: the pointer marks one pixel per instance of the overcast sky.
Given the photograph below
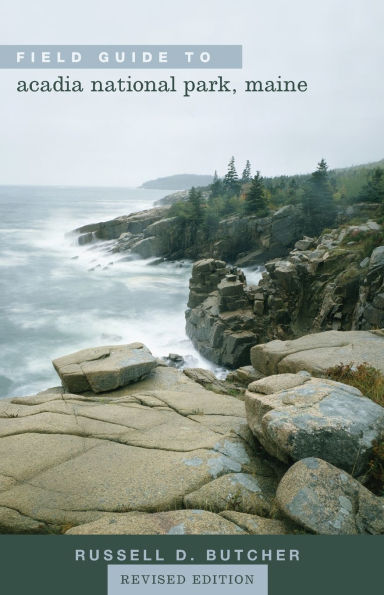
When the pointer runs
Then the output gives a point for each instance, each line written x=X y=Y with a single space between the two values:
x=104 y=139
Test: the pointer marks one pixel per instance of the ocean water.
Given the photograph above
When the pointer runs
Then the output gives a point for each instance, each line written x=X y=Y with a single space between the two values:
x=57 y=297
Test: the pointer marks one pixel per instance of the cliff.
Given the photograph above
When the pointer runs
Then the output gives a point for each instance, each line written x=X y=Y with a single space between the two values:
x=220 y=319
x=335 y=282
x=154 y=233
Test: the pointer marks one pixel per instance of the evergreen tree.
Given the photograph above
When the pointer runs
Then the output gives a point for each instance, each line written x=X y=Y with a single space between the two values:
x=292 y=191
x=195 y=202
x=246 y=177
x=216 y=186
x=373 y=191
x=231 y=179
x=255 y=199
x=319 y=205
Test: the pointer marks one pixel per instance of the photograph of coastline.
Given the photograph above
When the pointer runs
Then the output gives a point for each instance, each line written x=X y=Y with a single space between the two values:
x=192 y=285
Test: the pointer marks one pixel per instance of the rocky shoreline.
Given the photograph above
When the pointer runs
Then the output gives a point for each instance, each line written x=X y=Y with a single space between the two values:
x=130 y=444
x=154 y=233
x=241 y=240
x=310 y=285
x=161 y=454
x=335 y=282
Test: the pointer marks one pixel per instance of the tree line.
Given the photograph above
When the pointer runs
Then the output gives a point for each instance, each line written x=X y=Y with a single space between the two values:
x=319 y=195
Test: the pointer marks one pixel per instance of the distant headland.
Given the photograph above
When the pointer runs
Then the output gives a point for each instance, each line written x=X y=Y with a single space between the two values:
x=178 y=182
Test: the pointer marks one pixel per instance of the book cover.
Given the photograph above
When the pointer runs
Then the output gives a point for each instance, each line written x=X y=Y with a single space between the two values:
x=192 y=297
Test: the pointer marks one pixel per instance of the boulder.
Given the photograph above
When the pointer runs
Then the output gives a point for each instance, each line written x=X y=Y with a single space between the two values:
x=244 y=375
x=377 y=258
x=176 y=357
x=325 y=500
x=276 y=383
x=313 y=417
x=102 y=369
x=305 y=244
x=318 y=352
x=173 y=359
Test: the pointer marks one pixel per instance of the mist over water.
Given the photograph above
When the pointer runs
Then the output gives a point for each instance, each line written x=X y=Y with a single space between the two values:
x=57 y=297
